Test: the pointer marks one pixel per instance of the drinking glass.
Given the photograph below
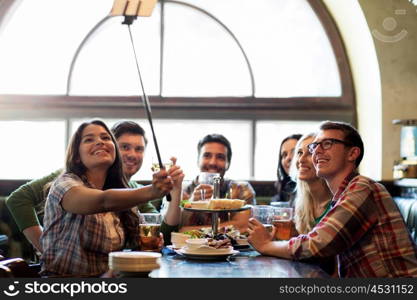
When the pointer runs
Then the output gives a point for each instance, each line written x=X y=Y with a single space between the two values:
x=283 y=222
x=206 y=178
x=155 y=164
x=149 y=231
x=264 y=214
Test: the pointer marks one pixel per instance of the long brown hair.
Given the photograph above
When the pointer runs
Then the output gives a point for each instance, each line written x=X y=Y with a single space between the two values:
x=114 y=177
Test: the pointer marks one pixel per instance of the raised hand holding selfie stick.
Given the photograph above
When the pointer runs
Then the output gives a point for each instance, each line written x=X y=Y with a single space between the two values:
x=131 y=9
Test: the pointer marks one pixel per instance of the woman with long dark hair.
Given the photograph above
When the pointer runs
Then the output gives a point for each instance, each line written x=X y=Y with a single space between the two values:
x=89 y=210
x=284 y=185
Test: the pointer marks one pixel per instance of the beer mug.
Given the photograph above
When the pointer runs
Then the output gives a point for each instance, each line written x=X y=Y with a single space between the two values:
x=149 y=231
x=282 y=220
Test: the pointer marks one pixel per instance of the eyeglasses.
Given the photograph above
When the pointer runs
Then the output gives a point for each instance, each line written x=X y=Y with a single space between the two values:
x=326 y=144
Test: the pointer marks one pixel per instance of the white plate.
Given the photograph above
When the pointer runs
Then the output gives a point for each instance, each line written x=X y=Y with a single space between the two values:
x=210 y=256
x=206 y=250
x=139 y=255
x=134 y=268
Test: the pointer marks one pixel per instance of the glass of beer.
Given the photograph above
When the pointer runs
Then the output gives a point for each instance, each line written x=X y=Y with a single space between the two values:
x=282 y=220
x=149 y=232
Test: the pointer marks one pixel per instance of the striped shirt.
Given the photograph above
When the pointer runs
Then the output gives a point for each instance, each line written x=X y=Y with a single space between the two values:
x=365 y=230
x=75 y=244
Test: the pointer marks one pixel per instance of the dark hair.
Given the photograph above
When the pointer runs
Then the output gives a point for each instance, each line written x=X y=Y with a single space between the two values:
x=285 y=185
x=123 y=127
x=216 y=138
x=352 y=136
x=114 y=179
x=281 y=174
x=73 y=164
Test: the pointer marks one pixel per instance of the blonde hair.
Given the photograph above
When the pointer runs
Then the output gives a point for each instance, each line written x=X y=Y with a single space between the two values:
x=304 y=202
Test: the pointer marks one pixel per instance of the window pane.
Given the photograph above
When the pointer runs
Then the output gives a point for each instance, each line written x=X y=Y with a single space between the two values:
x=200 y=57
x=179 y=138
x=106 y=65
x=39 y=41
x=269 y=135
x=284 y=40
x=31 y=149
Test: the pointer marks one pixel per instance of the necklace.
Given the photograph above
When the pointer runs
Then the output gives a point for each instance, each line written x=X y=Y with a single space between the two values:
x=326 y=210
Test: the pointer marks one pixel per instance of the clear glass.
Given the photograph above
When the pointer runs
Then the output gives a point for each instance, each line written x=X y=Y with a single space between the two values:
x=150 y=218
x=31 y=149
x=207 y=178
x=263 y=213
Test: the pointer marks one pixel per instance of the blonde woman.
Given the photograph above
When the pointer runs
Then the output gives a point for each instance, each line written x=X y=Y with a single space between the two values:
x=313 y=198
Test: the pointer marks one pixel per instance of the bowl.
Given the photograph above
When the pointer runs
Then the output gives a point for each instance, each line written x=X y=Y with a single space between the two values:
x=193 y=244
x=178 y=239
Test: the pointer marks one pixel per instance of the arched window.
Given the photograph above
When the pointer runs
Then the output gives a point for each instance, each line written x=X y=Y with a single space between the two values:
x=234 y=66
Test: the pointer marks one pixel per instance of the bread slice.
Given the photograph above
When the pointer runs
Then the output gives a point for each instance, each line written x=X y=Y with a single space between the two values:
x=199 y=204
x=218 y=204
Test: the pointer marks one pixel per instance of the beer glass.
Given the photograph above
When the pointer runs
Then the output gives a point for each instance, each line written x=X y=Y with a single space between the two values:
x=282 y=220
x=149 y=231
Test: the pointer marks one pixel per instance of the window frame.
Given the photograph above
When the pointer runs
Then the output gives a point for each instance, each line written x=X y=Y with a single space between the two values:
x=341 y=108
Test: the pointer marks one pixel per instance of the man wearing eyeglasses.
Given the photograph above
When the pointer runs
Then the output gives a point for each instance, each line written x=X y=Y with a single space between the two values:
x=364 y=228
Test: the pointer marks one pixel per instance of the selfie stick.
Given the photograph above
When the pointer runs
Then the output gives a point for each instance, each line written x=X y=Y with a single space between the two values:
x=131 y=10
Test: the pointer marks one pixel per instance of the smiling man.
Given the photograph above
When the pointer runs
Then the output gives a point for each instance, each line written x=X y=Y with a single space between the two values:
x=364 y=228
x=214 y=156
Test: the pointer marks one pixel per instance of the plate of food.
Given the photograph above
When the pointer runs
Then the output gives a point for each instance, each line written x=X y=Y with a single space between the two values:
x=239 y=240
x=207 y=248
x=216 y=205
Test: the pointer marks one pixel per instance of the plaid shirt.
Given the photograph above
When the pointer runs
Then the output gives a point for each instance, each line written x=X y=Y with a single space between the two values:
x=75 y=244
x=365 y=230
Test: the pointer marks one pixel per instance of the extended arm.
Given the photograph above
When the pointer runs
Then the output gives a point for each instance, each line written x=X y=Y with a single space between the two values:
x=343 y=226
x=84 y=200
